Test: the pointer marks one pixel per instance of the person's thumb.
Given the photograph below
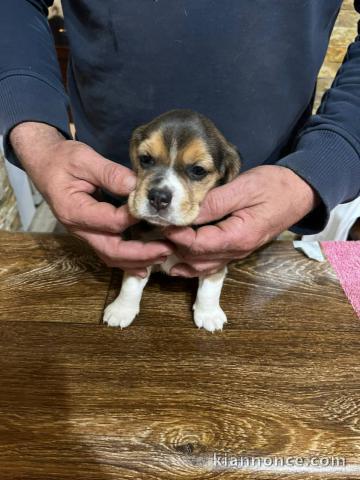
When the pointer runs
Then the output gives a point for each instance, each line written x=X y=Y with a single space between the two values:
x=222 y=201
x=109 y=175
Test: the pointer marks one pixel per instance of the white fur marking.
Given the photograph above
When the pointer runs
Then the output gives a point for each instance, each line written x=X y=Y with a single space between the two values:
x=207 y=311
x=122 y=311
x=173 y=152
x=173 y=214
x=173 y=183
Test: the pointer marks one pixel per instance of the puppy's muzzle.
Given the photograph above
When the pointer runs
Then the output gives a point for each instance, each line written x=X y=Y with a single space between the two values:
x=160 y=198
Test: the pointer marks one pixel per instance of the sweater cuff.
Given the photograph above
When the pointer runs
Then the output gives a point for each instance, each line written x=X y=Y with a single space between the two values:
x=328 y=162
x=28 y=98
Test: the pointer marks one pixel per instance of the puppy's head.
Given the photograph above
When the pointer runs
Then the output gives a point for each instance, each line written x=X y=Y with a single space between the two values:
x=178 y=158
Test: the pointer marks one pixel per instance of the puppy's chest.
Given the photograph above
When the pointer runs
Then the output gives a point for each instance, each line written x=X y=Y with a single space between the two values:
x=147 y=233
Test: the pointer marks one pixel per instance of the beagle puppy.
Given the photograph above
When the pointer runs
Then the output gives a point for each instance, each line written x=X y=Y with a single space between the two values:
x=178 y=157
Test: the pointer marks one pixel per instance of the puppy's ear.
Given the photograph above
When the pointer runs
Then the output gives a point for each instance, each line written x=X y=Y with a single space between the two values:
x=231 y=163
x=138 y=134
x=136 y=138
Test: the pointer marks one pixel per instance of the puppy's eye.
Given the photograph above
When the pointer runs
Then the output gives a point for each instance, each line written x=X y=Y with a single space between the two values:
x=196 y=172
x=146 y=161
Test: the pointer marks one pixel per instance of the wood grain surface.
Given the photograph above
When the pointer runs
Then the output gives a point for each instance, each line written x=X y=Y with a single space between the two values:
x=56 y=279
x=159 y=399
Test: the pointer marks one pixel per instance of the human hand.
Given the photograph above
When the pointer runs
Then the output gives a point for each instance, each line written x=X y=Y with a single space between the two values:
x=67 y=173
x=262 y=203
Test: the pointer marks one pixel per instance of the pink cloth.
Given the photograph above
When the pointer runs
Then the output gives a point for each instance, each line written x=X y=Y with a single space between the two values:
x=345 y=260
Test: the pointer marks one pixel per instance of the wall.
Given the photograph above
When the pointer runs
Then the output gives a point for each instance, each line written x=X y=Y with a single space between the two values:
x=9 y=216
x=55 y=9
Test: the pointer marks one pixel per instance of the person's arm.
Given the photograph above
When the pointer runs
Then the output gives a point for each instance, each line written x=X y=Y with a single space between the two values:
x=31 y=87
x=34 y=120
x=327 y=150
x=67 y=173
x=299 y=191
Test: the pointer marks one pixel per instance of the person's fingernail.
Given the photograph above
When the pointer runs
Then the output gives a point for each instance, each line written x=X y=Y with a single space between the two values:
x=174 y=273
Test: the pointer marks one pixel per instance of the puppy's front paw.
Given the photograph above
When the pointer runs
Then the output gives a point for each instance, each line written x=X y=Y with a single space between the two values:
x=119 y=315
x=210 y=319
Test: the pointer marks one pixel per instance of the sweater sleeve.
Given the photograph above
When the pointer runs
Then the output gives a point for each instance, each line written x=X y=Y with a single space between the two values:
x=31 y=87
x=327 y=150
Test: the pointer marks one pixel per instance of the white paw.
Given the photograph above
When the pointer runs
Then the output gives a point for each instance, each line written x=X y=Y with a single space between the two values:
x=210 y=319
x=118 y=315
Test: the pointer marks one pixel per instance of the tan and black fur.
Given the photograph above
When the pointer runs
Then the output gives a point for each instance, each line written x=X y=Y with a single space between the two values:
x=178 y=158
x=178 y=141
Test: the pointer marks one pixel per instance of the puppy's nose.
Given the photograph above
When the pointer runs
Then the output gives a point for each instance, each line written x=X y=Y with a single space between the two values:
x=159 y=198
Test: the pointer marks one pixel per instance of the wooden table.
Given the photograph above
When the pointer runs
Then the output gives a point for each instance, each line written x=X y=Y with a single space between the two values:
x=161 y=399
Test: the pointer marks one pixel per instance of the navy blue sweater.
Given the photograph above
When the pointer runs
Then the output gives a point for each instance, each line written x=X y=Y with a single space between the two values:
x=250 y=65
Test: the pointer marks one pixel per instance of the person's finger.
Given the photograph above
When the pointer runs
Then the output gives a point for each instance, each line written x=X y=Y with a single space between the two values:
x=207 y=257
x=104 y=173
x=197 y=268
x=141 y=272
x=132 y=265
x=184 y=270
x=115 y=248
x=137 y=272
x=223 y=200
x=223 y=237
x=123 y=265
x=85 y=212
x=152 y=252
